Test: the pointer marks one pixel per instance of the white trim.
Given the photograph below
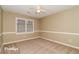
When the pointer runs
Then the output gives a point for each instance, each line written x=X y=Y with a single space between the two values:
x=9 y=33
x=60 y=43
x=25 y=33
x=61 y=32
x=42 y=38
x=18 y=33
x=20 y=40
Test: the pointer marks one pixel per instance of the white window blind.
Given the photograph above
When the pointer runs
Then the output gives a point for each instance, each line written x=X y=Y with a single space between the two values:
x=29 y=26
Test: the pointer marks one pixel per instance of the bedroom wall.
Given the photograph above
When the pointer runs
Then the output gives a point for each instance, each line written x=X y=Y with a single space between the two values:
x=1 y=40
x=0 y=19
x=9 y=27
x=62 y=27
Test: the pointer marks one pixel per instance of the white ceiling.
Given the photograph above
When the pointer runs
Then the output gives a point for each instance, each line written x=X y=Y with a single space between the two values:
x=30 y=9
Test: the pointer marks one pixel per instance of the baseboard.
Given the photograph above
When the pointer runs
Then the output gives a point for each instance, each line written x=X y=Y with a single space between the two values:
x=60 y=42
x=42 y=38
x=20 y=40
x=64 y=33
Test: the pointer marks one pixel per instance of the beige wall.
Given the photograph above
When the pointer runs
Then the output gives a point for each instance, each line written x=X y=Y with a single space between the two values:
x=66 y=21
x=9 y=26
x=0 y=27
x=0 y=20
x=1 y=40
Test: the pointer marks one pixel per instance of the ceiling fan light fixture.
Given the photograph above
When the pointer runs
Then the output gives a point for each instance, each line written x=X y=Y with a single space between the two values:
x=38 y=11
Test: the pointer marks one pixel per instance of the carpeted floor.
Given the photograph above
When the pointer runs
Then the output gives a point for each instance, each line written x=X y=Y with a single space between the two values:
x=41 y=46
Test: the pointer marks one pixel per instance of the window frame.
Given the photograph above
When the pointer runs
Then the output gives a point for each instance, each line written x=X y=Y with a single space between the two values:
x=17 y=18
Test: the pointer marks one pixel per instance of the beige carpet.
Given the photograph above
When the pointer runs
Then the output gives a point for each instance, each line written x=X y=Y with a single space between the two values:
x=41 y=46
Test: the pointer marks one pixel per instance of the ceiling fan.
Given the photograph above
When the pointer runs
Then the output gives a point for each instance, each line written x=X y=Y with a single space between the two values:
x=39 y=9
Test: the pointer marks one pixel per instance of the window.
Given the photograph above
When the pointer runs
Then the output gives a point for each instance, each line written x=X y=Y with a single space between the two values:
x=20 y=25
x=29 y=26
x=23 y=25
